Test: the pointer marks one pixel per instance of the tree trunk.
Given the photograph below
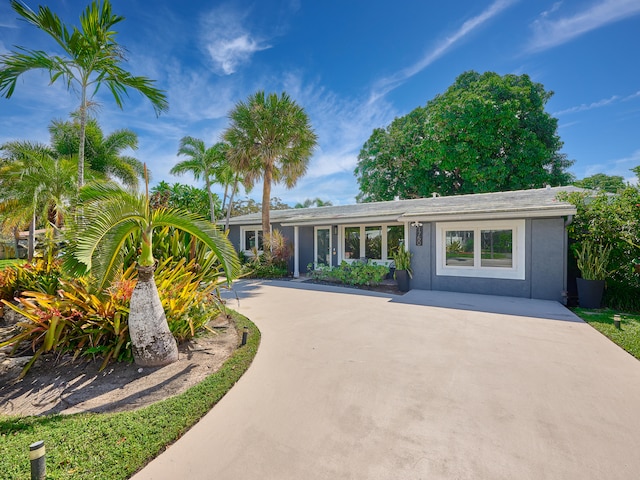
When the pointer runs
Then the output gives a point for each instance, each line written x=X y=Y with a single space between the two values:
x=211 y=206
x=31 y=241
x=151 y=340
x=233 y=192
x=266 y=202
x=83 y=134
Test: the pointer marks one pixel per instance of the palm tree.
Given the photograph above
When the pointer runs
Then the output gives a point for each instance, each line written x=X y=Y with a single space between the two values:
x=271 y=139
x=37 y=187
x=202 y=162
x=102 y=154
x=112 y=216
x=91 y=58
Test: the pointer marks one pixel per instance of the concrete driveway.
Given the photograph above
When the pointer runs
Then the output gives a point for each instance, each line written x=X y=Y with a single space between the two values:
x=428 y=385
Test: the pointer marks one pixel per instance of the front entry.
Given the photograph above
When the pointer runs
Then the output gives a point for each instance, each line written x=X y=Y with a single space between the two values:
x=322 y=246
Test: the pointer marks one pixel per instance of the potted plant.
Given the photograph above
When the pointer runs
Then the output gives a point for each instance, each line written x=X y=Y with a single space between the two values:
x=592 y=259
x=402 y=259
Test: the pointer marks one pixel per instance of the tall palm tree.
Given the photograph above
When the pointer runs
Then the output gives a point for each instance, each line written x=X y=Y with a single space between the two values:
x=203 y=163
x=91 y=58
x=271 y=139
x=111 y=217
x=102 y=154
x=37 y=187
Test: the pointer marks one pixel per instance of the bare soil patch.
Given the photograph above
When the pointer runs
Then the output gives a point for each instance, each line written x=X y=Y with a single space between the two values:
x=58 y=385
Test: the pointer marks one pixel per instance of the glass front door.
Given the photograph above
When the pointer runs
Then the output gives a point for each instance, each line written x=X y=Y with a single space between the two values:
x=323 y=246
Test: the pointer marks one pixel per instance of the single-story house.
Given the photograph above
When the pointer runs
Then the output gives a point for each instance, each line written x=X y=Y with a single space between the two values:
x=505 y=243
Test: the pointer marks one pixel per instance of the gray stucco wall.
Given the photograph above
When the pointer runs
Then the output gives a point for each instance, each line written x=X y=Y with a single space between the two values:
x=549 y=258
x=234 y=236
x=545 y=258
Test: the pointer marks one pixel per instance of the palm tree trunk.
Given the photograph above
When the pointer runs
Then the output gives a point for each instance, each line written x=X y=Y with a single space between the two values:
x=16 y=239
x=211 y=206
x=233 y=192
x=266 y=201
x=152 y=342
x=224 y=197
x=83 y=134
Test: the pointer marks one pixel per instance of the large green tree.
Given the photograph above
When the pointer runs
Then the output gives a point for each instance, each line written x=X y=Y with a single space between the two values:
x=103 y=155
x=113 y=216
x=184 y=197
x=486 y=133
x=602 y=181
x=90 y=58
x=209 y=164
x=271 y=139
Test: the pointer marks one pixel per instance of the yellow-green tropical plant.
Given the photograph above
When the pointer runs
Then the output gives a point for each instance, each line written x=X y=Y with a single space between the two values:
x=113 y=216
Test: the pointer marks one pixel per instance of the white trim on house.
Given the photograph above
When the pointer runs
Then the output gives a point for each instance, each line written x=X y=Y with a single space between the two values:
x=515 y=272
x=384 y=243
x=426 y=217
x=315 y=243
x=243 y=229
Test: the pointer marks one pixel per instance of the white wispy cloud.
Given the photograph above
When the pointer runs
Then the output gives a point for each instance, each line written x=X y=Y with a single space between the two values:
x=598 y=104
x=385 y=85
x=620 y=166
x=227 y=41
x=549 y=32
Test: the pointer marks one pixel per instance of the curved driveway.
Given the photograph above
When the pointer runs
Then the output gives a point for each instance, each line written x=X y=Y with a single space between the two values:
x=428 y=385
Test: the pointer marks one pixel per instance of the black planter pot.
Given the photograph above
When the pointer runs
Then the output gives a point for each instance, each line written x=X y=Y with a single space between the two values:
x=590 y=293
x=402 y=277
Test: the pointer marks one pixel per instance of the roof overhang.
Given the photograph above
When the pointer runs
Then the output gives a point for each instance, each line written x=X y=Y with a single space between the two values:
x=496 y=215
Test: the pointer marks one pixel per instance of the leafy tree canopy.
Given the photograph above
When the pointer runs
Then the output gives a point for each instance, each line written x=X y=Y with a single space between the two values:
x=316 y=202
x=486 y=133
x=601 y=181
x=184 y=197
x=249 y=205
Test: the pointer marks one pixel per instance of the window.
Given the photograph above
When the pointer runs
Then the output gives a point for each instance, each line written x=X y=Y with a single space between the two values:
x=251 y=238
x=352 y=243
x=373 y=242
x=377 y=242
x=481 y=249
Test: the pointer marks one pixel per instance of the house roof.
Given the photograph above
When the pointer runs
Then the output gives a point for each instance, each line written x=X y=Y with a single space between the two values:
x=541 y=202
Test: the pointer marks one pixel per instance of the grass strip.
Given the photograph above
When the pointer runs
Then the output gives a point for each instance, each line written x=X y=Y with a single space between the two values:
x=628 y=337
x=116 y=445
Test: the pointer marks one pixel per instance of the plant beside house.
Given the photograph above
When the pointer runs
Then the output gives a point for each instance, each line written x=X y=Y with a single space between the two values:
x=592 y=259
x=356 y=273
x=403 y=273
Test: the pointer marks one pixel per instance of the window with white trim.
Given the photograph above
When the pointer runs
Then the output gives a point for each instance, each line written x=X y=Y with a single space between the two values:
x=250 y=238
x=375 y=242
x=489 y=249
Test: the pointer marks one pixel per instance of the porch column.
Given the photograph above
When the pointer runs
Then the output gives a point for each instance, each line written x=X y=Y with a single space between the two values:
x=296 y=260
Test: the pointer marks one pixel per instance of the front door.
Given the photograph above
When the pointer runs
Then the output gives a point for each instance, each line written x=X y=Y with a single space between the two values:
x=322 y=246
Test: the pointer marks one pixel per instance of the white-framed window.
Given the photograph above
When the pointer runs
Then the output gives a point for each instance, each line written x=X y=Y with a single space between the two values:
x=489 y=249
x=250 y=238
x=375 y=242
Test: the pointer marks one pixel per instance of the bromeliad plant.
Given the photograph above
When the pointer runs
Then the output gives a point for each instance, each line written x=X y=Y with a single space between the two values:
x=110 y=217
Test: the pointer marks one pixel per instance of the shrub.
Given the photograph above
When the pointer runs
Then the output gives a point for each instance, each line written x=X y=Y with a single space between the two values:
x=356 y=273
x=612 y=221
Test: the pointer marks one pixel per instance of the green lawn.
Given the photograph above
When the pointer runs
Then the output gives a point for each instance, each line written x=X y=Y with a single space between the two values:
x=115 y=446
x=628 y=337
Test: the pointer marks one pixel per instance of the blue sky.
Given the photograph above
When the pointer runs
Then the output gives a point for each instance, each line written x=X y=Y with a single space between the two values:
x=353 y=66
